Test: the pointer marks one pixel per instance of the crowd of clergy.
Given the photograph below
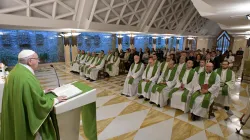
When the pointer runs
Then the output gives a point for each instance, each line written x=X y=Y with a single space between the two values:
x=191 y=81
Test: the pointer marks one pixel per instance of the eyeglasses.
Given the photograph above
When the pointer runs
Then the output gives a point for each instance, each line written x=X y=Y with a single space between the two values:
x=35 y=59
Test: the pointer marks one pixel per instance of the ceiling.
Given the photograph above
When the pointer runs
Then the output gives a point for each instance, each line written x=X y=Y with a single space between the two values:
x=229 y=14
x=178 y=17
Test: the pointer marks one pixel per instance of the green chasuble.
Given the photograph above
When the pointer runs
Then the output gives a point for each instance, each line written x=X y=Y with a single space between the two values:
x=160 y=87
x=26 y=110
x=155 y=67
x=185 y=91
x=131 y=80
x=206 y=99
x=228 y=78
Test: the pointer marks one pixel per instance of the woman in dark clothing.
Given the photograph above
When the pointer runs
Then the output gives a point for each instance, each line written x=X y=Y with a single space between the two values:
x=197 y=61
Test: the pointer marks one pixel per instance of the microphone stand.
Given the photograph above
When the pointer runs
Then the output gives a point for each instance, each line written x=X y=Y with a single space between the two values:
x=58 y=82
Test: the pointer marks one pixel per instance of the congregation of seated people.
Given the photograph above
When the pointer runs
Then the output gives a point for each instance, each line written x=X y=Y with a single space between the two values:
x=190 y=81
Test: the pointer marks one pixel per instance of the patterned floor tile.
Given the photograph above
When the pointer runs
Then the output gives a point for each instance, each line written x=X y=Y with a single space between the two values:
x=117 y=99
x=127 y=136
x=154 y=117
x=212 y=136
x=133 y=107
x=182 y=130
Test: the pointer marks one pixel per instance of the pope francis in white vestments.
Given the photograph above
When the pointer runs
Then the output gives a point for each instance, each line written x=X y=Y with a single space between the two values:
x=167 y=80
x=113 y=66
x=180 y=95
x=133 y=77
x=149 y=77
x=227 y=83
x=206 y=90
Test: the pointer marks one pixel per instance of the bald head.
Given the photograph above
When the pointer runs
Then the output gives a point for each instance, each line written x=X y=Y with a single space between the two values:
x=209 y=67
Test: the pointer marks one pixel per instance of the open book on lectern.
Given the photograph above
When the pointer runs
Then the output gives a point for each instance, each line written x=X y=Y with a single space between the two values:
x=67 y=90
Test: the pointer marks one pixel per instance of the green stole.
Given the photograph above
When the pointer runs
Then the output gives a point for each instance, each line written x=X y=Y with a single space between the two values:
x=148 y=83
x=109 y=57
x=183 y=69
x=197 y=69
x=206 y=99
x=131 y=80
x=160 y=87
x=92 y=62
x=84 y=55
x=98 y=62
x=162 y=66
x=88 y=58
x=185 y=92
x=26 y=110
x=109 y=66
x=228 y=78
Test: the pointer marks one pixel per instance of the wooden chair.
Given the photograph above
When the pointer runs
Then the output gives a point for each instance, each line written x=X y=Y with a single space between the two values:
x=121 y=67
x=101 y=74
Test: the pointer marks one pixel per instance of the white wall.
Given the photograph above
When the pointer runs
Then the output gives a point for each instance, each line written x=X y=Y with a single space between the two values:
x=204 y=42
x=241 y=42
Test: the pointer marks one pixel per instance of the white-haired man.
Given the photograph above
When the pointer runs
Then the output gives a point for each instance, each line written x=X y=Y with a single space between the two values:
x=26 y=109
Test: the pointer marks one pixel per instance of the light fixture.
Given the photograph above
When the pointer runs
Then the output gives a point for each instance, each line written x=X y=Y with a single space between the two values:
x=167 y=37
x=1 y=33
x=248 y=17
x=75 y=34
x=248 y=32
x=106 y=36
x=67 y=34
x=247 y=37
x=178 y=38
x=154 y=37
x=61 y=34
x=131 y=35
x=119 y=36
x=190 y=38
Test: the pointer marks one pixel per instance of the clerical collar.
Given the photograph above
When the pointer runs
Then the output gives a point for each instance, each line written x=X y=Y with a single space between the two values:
x=29 y=68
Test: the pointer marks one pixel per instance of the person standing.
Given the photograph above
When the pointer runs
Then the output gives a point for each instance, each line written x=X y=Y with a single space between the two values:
x=25 y=108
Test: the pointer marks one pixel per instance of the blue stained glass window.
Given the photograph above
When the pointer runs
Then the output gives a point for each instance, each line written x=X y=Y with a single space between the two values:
x=223 y=41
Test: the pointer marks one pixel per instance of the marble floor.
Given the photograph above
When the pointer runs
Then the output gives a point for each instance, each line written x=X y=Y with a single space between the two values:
x=127 y=118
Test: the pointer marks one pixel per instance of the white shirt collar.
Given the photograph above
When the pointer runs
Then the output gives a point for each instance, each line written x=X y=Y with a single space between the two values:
x=29 y=68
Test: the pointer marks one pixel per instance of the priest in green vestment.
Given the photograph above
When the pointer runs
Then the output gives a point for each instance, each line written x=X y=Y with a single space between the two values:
x=133 y=78
x=181 y=93
x=113 y=66
x=75 y=64
x=149 y=78
x=93 y=69
x=227 y=84
x=84 y=63
x=201 y=67
x=165 y=83
x=206 y=90
x=91 y=61
x=26 y=111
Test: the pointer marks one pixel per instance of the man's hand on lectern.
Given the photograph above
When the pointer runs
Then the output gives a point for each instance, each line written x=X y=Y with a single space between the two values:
x=61 y=98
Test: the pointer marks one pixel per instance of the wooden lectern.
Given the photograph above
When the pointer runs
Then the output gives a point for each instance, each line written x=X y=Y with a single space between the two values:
x=68 y=114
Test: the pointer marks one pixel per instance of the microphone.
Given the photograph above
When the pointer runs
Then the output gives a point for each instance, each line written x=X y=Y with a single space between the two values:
x=58 y=82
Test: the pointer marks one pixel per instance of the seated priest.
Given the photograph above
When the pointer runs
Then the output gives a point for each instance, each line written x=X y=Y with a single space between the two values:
x=26 y=110
x=113 y=66
x=164 y=65
x=227 y=83
x=166 y=82
x=149 y=77
x=84 y=62
x=91 y=62
x=205 y=91
x=201 y=66
x=92 y=71
x=155 y=58
x=133 y=77
x=182 y=65
x=75 y=64
x=109 y=56
x=181 y=93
